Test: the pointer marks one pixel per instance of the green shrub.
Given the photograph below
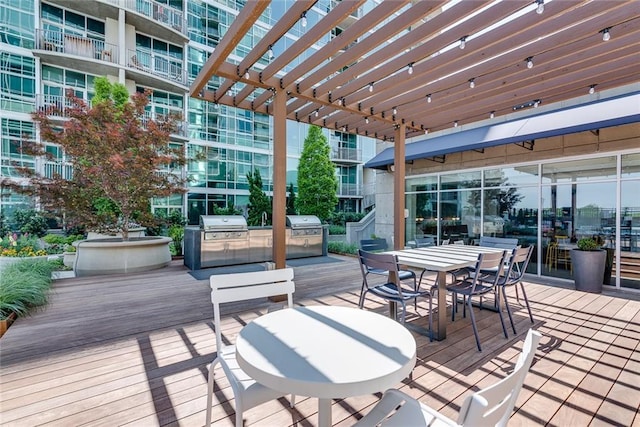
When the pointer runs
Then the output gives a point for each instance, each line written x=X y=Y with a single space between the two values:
x=176 y=232
x=342 y=248
x=588 y=244
x=337 y=229
x=24 y=285
x=31 y=222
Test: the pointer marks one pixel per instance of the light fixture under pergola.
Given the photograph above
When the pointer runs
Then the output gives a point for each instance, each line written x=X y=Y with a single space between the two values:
x=356 y=80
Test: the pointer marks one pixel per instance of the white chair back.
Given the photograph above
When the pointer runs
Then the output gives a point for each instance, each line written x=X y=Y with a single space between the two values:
x=246 y=286
x=494 y=404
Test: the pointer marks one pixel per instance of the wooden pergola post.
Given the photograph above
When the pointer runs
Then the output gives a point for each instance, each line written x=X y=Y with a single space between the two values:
x=279 y=202
x=398 y=187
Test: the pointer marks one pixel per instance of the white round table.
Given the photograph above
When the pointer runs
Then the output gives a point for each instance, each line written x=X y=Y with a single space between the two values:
x=326 y=352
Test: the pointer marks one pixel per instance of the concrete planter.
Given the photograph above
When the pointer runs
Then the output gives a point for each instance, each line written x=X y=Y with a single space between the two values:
x=588 y=269
x=116 y=256
x=68 y=259
x=133 y=232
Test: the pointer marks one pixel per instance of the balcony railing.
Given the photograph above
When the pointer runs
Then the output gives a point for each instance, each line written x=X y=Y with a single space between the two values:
x=59 y=104
x=182 y=127
x=160 y=12
x=350 y=154
x=349 y=190
x=57 y=41
x=56 y=168
x=158 y=65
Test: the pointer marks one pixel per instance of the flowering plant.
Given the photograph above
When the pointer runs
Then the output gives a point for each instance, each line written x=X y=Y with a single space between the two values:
x=25 y=245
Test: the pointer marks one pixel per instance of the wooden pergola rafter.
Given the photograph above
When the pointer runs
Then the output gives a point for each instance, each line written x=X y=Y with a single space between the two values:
x=331 y=86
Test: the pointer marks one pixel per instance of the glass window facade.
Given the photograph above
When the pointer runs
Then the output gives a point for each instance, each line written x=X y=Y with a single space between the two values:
x=17 y=90
x=17 y=23
x=550 y=205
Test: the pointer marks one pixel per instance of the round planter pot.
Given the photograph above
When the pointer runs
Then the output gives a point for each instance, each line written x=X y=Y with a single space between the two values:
x=588 y=269
x=117 y=256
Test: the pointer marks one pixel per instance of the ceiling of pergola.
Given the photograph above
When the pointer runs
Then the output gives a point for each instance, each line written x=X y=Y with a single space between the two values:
x=565 y=43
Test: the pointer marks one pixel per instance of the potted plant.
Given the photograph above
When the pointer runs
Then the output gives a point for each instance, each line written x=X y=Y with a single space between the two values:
x=121 y=159
x=588 y=261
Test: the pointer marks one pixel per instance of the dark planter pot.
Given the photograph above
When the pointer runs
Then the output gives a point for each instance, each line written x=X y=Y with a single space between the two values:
x=588 y=269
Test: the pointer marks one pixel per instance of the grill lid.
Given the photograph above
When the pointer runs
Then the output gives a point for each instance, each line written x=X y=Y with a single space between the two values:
x=223 y=222
x=303 y=221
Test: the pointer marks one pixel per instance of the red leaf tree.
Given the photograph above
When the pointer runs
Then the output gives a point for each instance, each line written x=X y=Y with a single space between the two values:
x=120 y=160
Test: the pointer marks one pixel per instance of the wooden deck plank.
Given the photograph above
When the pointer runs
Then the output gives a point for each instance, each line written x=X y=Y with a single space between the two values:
x=134 y=350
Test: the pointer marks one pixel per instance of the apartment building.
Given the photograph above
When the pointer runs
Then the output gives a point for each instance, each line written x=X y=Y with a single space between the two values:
x=49 y=47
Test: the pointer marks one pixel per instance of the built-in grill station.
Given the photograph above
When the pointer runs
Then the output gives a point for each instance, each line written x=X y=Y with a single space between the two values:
x=226 y=240
x=304 y=236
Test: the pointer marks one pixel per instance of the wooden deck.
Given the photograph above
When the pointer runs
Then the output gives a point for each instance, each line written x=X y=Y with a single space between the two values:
x=133 y=350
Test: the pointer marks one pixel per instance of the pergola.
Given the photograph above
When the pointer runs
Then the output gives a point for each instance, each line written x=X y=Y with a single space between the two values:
x=404 y=68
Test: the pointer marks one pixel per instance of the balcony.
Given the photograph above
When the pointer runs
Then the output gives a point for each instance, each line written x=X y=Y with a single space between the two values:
x=349 y=190
x=346 y=155
x=58 y=104
x=158 y=14
x=76 y=52
x=145 y=64
x=182 y=127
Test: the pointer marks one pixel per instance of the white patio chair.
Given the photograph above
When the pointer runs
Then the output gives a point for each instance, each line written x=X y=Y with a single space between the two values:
x=239 y=287
x=491 y=406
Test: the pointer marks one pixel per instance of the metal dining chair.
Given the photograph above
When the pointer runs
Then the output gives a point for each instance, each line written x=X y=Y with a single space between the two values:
x=479 y=283
x=513 y=274
x=390 y=291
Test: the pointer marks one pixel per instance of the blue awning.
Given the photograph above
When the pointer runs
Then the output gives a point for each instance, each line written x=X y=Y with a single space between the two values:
x=595 y=115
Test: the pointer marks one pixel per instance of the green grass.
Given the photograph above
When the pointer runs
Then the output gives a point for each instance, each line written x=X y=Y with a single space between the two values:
x=24 y=286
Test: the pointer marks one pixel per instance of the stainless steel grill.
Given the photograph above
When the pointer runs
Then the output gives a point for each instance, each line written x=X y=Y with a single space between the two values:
x=304 y=236
x=224 y=240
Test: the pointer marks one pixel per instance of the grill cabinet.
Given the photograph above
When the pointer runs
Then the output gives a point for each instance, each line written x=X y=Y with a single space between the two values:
x=303 y=236
x=224 y=240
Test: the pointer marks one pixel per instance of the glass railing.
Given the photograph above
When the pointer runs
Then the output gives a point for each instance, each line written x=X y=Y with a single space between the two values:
x=182 y=127
x=159 y=12
x=158 y=65
x=57 y=41
x=349 y=190
x=351 y=154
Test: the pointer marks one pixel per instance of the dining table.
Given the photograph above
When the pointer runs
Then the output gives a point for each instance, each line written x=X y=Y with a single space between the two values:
x=442 y=260
x=326 y=352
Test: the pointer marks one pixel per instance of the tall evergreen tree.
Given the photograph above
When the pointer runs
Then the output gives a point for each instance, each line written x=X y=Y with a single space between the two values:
x=259 y=202
x=317 y=181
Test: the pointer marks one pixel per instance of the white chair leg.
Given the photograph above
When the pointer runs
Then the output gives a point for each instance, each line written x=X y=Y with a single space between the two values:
x=210 y=392
x=239 y=420
x=292 y=402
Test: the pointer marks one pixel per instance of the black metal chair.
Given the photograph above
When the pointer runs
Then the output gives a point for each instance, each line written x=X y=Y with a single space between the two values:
x=389 y=291
x=479 y=283
x=513 y=273
x=376 y=245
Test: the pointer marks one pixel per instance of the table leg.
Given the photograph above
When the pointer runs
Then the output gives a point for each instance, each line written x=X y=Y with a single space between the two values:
x=440 y=326
x=393 y=306
x=324 y=412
